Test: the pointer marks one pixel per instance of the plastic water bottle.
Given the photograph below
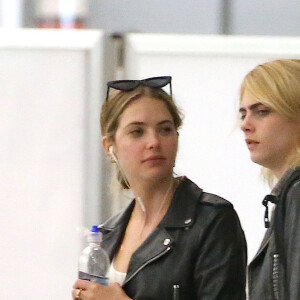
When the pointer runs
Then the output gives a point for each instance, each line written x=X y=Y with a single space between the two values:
x=94 y=261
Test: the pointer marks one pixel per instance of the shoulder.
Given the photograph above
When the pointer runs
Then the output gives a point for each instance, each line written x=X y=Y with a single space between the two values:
x=293 y=193
x=291 y=188
x=290 y=200
x=215 y=200
x=118 y=219
x=191 y=191
x=290 y=194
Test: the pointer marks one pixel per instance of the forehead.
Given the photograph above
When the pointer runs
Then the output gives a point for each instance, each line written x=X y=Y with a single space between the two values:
x=247 y=99
x=145 y=109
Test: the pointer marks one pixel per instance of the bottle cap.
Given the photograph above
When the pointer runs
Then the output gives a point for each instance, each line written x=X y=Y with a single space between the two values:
x=94 y=235
x=94 y=228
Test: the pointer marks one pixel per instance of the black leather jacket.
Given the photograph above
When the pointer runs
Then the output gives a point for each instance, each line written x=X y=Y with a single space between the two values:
x=268 y=277
x=198 y=251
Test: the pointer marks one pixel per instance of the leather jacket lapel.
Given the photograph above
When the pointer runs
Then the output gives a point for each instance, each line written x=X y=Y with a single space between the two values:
x=113 y=230
x=156 y=245
x=265 y=240
x=263 y=244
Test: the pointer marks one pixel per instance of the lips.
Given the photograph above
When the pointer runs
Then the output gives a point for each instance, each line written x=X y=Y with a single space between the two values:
x=251 y=143
x=154 y=158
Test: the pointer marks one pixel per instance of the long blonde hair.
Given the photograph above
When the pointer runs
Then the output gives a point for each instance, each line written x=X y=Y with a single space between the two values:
x=276 y=84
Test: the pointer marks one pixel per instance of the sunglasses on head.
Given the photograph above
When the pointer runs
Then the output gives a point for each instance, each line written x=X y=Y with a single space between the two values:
x=130 y=85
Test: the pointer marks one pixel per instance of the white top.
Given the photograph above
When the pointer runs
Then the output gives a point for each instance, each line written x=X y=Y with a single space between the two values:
x=115 y=276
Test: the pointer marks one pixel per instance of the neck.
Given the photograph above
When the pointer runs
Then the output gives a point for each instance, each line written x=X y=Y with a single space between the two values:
x=156 y=201
x=280 y=170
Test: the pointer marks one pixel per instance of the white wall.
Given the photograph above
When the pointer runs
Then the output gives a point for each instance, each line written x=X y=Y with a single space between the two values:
x=207 y=72
x=11 y=13
x=50 y=157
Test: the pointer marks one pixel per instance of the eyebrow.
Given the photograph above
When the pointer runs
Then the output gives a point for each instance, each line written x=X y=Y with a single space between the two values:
x=251 y=107
x=142 y=123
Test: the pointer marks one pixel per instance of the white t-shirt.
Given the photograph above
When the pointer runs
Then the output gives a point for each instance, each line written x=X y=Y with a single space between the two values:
x=115 y=276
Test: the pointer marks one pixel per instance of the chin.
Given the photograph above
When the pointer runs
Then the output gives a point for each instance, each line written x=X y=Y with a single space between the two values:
x=262 y=162
x=158 y=175
x=257 y=160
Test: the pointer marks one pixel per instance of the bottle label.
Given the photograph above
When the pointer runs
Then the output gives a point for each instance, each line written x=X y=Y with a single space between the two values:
x=98 y=279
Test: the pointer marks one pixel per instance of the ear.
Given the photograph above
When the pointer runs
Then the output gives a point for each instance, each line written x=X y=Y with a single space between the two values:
x=106 y=144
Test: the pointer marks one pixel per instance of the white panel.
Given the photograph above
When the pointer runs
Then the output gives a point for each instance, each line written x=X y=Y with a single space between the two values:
x=50 y=163
x=11 y=13
x=207 y=72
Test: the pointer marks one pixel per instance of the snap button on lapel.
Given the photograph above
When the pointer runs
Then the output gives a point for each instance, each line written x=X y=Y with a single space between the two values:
x=166 y=242
x=188 y=221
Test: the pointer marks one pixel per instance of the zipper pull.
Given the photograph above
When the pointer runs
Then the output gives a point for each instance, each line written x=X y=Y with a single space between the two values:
x=176 y=292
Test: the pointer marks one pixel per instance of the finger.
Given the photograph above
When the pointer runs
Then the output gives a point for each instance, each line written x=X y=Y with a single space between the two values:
x=82 y=284
x=77 y=294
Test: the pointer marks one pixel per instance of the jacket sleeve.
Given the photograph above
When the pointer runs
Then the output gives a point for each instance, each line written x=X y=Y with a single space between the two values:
x=220 y=271
x=292 y=241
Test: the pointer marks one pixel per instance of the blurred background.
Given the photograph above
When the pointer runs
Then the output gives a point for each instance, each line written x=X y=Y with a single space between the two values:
x=265 y=17
x=55 y=57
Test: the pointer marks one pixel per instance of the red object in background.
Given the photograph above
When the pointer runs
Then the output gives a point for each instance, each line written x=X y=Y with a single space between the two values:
x=61 y=13
x=56 y=23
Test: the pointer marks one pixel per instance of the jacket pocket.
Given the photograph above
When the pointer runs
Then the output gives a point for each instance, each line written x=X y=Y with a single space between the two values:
x=275 y=276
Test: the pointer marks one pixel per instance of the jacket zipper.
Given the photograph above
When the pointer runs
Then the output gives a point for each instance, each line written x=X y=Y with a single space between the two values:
x=275 y=276
x=176 y=292
x=146 y=263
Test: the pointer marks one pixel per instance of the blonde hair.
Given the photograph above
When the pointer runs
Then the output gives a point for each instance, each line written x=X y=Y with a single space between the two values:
x=276 y=84
x=118 y=101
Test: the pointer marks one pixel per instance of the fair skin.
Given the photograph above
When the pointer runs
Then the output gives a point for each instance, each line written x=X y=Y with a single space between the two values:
x=145 y=145
x=270 y=138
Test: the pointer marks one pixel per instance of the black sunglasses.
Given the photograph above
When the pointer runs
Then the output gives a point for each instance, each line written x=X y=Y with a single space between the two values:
x=130 y=85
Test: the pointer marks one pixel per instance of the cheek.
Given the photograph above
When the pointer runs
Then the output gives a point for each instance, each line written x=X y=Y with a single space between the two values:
x=173 y=147
x=127 y=151
x=280 y=141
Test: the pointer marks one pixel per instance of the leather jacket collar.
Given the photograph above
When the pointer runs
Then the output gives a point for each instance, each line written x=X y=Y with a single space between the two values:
x=177 y=214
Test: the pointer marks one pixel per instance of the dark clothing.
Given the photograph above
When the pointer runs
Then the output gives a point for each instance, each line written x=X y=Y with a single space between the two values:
x=198 y=250
x=275 y=274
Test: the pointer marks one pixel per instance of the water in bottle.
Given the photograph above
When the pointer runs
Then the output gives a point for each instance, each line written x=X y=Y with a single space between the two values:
x=94 y=262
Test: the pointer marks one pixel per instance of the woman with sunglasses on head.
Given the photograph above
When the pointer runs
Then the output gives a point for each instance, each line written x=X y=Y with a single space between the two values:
x=270 y=113
x=174 y=241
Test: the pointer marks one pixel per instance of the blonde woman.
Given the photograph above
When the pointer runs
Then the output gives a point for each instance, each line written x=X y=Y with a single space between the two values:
x=270 y=120
x=174 y=241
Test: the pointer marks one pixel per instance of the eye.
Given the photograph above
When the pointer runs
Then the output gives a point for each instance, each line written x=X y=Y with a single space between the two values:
x=242 y=116
x=166 y=130
x=263 y=112
x=138 y=132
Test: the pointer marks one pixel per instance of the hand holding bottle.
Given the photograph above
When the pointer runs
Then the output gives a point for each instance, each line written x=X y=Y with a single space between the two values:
x=94 y=291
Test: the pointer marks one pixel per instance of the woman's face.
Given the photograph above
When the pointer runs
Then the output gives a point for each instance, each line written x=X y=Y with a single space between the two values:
x=146 y=141
x=270 y=138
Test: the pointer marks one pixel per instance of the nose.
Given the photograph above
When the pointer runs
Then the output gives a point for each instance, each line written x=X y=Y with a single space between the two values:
x=247 y=124
x=153 y=140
